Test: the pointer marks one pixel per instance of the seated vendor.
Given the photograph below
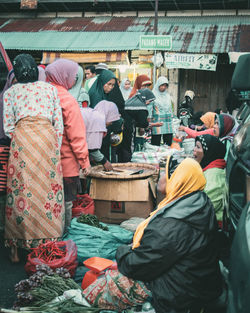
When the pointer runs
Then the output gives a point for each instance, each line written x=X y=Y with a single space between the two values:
x=174 y=251
x=209 y=151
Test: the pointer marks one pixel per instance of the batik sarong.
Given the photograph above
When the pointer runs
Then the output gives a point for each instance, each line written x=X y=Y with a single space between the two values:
x=35 y=203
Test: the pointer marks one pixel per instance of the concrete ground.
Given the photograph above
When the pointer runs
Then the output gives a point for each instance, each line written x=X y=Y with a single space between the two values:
x=10 y=274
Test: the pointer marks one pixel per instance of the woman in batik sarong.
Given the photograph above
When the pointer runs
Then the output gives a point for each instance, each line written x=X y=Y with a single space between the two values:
x=33 y=121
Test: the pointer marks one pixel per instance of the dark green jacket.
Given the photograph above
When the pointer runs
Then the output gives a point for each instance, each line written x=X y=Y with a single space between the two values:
x=178 y=255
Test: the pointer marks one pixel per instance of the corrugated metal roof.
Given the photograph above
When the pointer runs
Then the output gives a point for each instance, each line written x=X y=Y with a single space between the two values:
x=207 y=34
x=71 y=41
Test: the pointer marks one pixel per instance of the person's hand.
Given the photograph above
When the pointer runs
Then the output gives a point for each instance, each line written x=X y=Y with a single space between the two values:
x=86 y=170
x=182 y=128
x=157 y=124
x=199 y=127
x=108 y=166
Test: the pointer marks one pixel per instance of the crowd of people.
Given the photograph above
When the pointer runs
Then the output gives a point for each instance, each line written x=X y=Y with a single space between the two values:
x=52 y=126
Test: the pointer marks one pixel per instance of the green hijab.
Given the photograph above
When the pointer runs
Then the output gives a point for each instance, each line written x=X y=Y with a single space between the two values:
x=96 y=92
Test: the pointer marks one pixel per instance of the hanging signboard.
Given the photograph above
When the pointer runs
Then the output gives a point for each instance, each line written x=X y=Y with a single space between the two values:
x=205 y=62
x=155 y=42
x=28 y=4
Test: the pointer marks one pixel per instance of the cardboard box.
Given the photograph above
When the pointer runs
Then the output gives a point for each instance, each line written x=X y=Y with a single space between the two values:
x=118 y=200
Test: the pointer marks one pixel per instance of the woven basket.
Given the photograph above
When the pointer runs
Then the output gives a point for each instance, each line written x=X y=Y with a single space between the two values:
x=148 y=170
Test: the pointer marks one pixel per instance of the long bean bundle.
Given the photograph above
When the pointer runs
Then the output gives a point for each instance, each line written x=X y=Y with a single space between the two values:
x=91 y=220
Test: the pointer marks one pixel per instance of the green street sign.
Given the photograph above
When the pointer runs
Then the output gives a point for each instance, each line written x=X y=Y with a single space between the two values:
x=155 y=42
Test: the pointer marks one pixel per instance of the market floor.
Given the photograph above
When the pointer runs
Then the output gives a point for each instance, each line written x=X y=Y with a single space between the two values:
x=10 y=274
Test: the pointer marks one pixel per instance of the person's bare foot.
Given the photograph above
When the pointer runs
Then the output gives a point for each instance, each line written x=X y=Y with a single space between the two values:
x=14 y=255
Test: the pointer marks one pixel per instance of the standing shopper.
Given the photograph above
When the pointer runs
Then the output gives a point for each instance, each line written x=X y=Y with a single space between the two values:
x=76 y=89
x=209 y=151
x=33 y=121
x=141 y=81
x=90 y=71
x=106 y=87
x=96 y=120
x=125 y=88
x=161 y=111
x=101 y=88
x=175 y=250
x=136 y=116
x=74 y=151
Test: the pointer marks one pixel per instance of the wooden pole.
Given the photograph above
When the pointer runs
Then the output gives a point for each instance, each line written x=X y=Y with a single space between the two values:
x=155 y=33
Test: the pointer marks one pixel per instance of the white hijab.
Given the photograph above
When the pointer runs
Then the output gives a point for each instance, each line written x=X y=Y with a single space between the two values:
x=125 y=92
x=162 y=99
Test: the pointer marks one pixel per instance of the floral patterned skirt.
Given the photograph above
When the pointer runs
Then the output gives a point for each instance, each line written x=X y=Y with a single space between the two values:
x=35 y=203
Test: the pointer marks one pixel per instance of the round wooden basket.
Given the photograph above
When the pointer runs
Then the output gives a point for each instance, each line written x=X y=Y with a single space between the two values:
x=124 y=171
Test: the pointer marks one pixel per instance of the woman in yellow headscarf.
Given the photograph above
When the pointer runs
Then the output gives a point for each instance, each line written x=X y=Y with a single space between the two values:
x=175 y=251
x=208 y=119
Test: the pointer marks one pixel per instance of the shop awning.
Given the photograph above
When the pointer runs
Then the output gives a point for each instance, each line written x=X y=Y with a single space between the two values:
x=93 y=57
x=192 y=34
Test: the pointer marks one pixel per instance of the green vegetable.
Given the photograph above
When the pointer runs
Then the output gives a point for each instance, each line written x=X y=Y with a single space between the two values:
x=91 y=220
x=51 y=287
x=65 y=306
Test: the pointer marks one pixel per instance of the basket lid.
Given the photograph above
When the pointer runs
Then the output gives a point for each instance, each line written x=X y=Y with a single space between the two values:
x=124 y=171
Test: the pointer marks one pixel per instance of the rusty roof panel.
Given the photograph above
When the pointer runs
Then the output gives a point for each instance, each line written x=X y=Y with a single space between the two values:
x=207 y=34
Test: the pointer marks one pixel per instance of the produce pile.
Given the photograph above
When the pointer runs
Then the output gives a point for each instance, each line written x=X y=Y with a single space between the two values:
x=54 y=254
x=37 y=292
x=91 y=220
x=49 y=253
x=44 y=285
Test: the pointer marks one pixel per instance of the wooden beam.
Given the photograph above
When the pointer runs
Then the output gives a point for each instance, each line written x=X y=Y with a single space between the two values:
x=176 y=5
x=109 y=7
x=44 y=7
x=65 y=7
x=200 y=5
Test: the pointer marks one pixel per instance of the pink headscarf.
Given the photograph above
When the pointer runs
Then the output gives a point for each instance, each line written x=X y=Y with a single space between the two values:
x=41 y=74
x=95 y=127
x=62 y=72
x=109 y=110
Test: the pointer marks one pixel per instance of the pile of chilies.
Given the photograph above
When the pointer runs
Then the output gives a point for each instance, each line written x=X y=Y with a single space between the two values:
x=48 y=253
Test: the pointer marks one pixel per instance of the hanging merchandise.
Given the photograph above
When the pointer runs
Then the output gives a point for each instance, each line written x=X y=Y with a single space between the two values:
x=157 y=59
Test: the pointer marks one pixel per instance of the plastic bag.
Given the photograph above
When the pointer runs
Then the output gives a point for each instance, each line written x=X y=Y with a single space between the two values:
x=114 y=291
x=68 y=260
x=92 y=241
x=83 y=205
x=132 y=223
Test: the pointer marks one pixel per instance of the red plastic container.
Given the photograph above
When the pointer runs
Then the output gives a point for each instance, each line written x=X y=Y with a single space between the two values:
x=97 y=266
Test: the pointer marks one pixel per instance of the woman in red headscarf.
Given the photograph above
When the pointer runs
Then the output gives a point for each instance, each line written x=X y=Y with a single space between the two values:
x=142 y=81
